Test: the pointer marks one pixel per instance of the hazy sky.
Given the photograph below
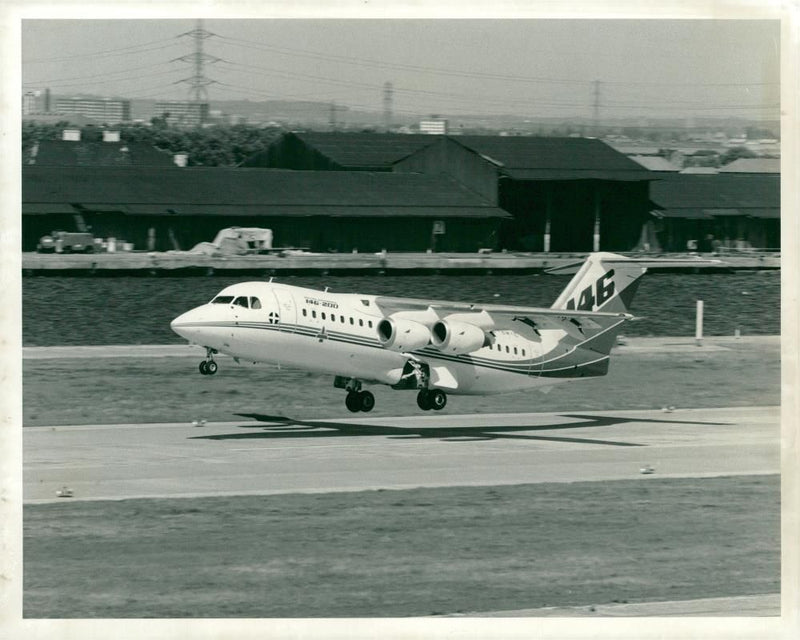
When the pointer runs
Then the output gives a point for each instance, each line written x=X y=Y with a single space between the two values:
x=528 y=67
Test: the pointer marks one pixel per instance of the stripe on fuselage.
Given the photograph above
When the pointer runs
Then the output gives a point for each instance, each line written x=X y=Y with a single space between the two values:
x=531 y=367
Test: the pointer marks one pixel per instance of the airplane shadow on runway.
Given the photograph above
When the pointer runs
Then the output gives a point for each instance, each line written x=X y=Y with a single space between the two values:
x=282 y=427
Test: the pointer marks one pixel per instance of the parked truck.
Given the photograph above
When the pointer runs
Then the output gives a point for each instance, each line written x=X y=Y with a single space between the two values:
x=66 y=242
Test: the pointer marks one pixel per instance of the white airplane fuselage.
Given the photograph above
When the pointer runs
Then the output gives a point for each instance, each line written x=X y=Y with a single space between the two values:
x=337 y=334
x=436 y=347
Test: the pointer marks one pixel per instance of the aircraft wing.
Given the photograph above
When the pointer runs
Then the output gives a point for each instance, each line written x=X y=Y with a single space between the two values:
x=527 y=321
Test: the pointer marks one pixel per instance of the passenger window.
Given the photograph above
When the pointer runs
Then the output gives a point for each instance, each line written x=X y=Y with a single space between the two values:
x=515 y=351
x=369 y=322
x=323 y=315
x=305 y=312
x=352 y=321
x=241 y=301
x=360 y=322
x=523 y=352
x=313 y=313
x=507 y=349
x=255 y=303
x=342 y=319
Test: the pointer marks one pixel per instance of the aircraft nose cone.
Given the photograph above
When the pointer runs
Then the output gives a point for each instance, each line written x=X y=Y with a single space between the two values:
x=180 y=324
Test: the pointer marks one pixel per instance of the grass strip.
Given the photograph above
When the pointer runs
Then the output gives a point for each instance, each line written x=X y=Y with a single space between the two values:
x=404 y=553
x=112 y=391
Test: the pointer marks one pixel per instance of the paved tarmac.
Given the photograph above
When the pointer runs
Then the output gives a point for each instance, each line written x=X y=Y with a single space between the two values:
x=274 y=454
x=748 y=606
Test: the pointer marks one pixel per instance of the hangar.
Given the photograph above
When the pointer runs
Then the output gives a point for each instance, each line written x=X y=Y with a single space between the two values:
x=161 y=208
x=566 y=194
x=331 y=151
x=67 y=153
x=367 y=192
x=726 y=209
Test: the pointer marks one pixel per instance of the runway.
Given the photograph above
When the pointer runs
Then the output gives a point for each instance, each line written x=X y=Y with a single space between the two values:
x=274 y=454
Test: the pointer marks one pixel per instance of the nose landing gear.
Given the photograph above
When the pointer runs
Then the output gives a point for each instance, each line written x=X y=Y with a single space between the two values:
x=208 y=367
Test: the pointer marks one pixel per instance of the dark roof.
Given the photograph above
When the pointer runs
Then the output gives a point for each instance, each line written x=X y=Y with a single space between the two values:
x=753 y=165
x=68 y=153
x=359 y=150
x=229 y=191
x=687 y=195
x=539 y=158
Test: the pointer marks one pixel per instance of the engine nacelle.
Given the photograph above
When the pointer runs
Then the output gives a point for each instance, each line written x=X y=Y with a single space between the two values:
x=457 y=337
x=399 y=334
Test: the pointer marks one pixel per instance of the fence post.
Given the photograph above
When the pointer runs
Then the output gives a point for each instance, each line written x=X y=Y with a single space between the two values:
x=698 y=326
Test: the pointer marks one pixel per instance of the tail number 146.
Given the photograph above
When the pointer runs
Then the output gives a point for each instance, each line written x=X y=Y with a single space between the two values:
x=595 y=294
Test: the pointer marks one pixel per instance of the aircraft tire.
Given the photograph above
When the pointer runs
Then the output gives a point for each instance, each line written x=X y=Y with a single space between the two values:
x=211 y=367
x=353 y=402
x=366 y=400
x=424 y=400
x=204 y=367
x=437 y=399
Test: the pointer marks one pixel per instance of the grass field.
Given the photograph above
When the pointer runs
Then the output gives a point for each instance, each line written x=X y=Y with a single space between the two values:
x=171 y=389
x=404 y=553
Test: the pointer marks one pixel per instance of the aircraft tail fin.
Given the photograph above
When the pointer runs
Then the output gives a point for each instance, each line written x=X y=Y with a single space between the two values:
x=608 y=281
x=604 y=282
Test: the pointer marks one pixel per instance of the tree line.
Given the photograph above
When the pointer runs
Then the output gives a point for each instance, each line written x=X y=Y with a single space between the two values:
x=215 y=146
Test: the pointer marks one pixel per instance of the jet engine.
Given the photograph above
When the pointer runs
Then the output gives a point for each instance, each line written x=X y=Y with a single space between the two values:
x=399 y=334
x=457 y=337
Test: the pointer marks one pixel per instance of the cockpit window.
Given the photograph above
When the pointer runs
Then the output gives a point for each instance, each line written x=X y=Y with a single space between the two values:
x=241 y=301
x=222 y=300
x=255 y=303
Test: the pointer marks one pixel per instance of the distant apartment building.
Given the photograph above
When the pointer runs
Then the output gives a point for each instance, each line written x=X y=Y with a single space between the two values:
x=183 y=114
x=102 y=109
x=30 y=103
x=436 y=126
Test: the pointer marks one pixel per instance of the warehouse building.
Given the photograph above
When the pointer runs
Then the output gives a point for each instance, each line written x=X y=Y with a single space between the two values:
x=162 y=208
x=704 y=212
x=68 y=153
x=315 y=151
x=565 y=194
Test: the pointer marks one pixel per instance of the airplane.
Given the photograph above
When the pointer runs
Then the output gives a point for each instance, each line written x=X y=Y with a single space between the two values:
x=433 y=347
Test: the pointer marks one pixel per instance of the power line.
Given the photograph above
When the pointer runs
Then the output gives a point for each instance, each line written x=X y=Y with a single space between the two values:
x=97 y=75
x=102 y=54
x=484 y=99
x=469 y=74
x=366 y=62
x=84 y=83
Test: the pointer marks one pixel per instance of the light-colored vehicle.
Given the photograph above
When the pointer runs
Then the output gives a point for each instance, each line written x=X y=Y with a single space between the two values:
x=66 y=242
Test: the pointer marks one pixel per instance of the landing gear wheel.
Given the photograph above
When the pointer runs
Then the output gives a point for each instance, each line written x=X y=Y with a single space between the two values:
x=424 y=400
x=211 y=367
x=437 y=399
x=204 y=368
x=353 y=401
x=366 y=400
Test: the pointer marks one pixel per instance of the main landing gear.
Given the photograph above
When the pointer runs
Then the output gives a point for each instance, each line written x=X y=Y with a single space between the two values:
x=359 y=401
x=208 y=367
x=356 y=399
x=428 y=399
